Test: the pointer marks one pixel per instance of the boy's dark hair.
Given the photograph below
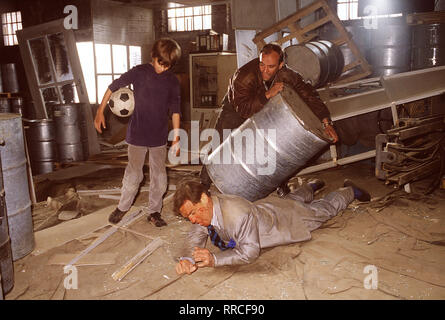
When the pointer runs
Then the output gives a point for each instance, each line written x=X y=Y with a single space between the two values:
x=273 y=46
x=188 y=190
x=167 y=51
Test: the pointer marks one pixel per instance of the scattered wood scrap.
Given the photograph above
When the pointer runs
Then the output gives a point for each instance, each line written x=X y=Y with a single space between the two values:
x=96 y=259
x=118 y=275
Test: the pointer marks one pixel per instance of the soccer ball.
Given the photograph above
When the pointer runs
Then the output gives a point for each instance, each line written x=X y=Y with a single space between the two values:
x=122 y=102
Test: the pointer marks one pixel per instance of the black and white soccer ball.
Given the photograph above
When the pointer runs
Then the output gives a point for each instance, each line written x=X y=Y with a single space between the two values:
x=122 y=102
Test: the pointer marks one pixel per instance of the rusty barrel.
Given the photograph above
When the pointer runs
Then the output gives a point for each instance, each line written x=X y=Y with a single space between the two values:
x=6 y=265
x=15 y=179
x=267 y=148
x=9 y=78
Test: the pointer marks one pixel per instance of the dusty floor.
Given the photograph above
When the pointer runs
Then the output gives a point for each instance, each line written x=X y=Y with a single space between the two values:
x=402 y=236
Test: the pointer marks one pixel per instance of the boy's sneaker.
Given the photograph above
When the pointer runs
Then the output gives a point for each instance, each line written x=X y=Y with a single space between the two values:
x=155 y=218
x=116 y=216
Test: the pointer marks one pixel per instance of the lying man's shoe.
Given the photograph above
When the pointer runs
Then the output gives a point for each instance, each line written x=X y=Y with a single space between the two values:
x=316 y=184
x=359 y=193
x=155 y=218
x=283 y=190
x=116 y=216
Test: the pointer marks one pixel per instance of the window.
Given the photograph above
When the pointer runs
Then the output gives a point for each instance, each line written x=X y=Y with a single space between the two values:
x=11 y=22
x=108 y=64
x=189 y=18
x=347 y=9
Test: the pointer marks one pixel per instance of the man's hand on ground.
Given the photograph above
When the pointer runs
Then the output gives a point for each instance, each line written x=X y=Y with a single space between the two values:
x=185 y=266
x=203 y=257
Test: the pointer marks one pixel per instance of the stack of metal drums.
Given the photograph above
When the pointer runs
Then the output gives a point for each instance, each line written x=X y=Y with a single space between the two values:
x=319 y=62
x=428 y=46
x=41 y=140
x=71 y=132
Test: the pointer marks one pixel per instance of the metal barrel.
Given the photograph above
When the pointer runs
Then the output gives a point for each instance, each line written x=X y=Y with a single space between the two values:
x=428 y=46
x=15 y=179
x=5 y=106
x=9 y=77
x=68 y=118
x=267 y=148
x=17 y=106
x=42 y=147
x=319 y=62
x=390 y=50
x=6 y=265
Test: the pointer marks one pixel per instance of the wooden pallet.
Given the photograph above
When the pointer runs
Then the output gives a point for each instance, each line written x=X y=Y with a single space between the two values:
x=9 y=95
x=425 y=18
x=359 y=65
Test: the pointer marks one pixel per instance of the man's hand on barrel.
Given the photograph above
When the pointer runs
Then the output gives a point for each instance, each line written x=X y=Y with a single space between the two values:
x=276 y=88
x=329 y=129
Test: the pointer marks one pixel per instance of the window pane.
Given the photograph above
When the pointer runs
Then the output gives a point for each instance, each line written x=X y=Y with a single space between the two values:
x=207 y=22
x=171 y=13
x=4 y=18
x=50 y=95
x=135 y=56
x=171 y=24
x=119 y=59
x=15 y=40
x=189 y=24
x=189 y=11
x=13 y=17
x=197 y=10
x=180 y=24
x=5 y=30
x=342 y=11
x=103 y=58
x=19 y=26
x=9 y=29
x=11 y=40
x=8 y=18
x=60 y=57
x=86 y=57
x=180 y=12
x=197 y=23
x=5 y=40
x=41 y=59
x=102 y=85
x=69 y=93
x=207 y=9
x=19 y=16
x=353 y=13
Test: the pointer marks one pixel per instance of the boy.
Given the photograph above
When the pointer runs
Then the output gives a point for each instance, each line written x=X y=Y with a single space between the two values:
x=156 y=92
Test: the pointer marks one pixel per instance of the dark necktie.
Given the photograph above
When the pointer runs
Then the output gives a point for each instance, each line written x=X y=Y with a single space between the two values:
x=217 y=241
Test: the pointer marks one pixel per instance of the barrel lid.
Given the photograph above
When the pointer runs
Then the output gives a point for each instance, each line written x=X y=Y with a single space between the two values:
x=303 y=113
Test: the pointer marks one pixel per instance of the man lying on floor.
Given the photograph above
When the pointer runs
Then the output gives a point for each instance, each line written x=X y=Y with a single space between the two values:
x=241 y=228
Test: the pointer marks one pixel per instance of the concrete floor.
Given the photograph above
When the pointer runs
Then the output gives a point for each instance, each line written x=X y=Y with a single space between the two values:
x=402 y=243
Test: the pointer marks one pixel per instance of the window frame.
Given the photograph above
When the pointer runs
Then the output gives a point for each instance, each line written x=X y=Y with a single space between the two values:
x=9 y=28
x=206 y=11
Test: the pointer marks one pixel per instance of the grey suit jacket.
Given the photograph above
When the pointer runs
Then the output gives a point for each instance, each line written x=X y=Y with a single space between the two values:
x=265 y=223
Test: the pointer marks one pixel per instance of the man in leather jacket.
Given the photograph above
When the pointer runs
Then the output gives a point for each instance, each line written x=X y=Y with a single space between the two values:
x=252 y=86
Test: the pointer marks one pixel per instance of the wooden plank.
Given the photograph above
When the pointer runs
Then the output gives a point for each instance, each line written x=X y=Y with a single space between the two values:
x=118 y=275
x=96 y=259
x=65 y=232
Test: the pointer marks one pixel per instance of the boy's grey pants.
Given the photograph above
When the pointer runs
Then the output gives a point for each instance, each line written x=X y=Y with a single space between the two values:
x=323 y=209
x=134 y=174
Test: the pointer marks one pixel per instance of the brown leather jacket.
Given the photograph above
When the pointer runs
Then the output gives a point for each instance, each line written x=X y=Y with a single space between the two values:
x=247 y=93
